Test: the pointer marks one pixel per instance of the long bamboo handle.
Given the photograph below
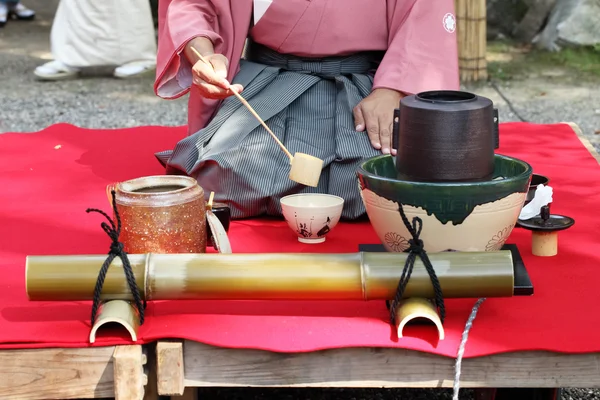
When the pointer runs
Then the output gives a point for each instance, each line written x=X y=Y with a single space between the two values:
x=249 y=107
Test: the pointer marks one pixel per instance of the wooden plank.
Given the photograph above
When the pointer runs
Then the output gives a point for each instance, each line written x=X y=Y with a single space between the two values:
x=170 y=368
x=584 y=140
x=369 y=367
x=128 y=371
x=57 y=373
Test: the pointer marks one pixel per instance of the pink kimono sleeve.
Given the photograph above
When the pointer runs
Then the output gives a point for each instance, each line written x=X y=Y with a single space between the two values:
x=179 y=22
x=422 y=49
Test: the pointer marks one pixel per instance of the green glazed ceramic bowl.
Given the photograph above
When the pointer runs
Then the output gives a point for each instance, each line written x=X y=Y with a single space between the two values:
x=461 y=216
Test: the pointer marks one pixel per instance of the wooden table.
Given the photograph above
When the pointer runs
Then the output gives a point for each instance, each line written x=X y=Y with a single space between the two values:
x=183 y=366
x=98 y=372
x=177 y=368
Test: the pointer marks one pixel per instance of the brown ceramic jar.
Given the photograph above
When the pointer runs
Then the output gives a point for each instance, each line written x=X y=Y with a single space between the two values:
x=161 y=214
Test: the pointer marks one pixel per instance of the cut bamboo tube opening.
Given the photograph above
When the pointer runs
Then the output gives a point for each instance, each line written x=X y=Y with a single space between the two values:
x=544 y=244
x=120 y=312
x=305 y=169
x=273 y=276
x=418 y=308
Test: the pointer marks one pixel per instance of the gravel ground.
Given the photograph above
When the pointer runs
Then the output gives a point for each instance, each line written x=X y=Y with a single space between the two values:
x=104 y=102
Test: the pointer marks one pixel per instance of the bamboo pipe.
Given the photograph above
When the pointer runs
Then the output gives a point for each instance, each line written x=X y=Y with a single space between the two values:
x=273 y=276
x=305 y=169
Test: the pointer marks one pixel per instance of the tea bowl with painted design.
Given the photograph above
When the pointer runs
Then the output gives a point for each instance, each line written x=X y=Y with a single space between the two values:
x=456 y=216
x=311 y=215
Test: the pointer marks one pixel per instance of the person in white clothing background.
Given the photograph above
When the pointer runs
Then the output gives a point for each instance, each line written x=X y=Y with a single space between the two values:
x=14 y=9
x=92 y=33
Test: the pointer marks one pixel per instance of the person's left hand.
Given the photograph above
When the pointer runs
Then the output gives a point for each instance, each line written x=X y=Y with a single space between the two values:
x=376 y=114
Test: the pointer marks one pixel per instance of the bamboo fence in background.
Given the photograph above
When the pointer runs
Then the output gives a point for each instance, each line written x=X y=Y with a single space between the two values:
x=471 y=18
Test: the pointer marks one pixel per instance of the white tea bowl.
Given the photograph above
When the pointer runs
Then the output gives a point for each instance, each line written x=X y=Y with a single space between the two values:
x=312 y=215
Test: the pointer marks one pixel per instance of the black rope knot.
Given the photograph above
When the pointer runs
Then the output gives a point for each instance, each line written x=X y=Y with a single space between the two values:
x=416 y=248
x=117 y=249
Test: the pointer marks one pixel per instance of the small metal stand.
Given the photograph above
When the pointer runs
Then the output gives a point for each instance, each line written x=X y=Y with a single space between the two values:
x=545 y=228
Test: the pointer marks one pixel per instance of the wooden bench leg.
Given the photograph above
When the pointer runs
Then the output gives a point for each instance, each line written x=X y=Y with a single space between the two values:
x=170 y=374
x=129 y=377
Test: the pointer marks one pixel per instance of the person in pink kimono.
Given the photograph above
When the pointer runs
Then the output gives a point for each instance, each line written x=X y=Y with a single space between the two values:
x=325 y=75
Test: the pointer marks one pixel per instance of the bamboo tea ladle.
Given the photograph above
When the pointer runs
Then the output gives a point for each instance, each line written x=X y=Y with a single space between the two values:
x=305 y=169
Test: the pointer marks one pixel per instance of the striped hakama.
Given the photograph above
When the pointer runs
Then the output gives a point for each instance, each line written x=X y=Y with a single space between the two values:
x=308 y=104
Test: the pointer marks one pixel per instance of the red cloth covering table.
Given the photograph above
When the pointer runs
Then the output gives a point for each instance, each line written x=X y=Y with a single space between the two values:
x=49 y=178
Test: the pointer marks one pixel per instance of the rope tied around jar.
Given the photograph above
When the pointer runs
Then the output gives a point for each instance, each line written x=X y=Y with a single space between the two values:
x=416 y=248
x=116 y=250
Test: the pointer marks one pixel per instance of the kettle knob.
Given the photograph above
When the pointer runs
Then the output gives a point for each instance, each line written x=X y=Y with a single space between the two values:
x=496 y=130
x=396 y=129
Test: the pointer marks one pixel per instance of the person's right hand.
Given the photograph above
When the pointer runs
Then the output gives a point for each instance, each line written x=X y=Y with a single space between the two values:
x=212 y=79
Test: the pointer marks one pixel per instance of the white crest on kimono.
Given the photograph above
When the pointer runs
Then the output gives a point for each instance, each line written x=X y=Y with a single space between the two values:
x=260 y=7
x=449 y=23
